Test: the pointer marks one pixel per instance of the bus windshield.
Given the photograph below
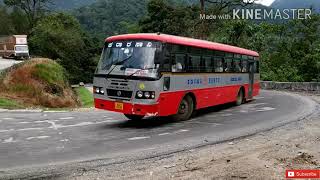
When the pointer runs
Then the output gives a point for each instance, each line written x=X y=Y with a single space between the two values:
x=138 y=55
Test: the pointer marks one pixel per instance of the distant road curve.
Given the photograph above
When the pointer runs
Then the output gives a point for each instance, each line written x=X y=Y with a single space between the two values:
x=6 y=63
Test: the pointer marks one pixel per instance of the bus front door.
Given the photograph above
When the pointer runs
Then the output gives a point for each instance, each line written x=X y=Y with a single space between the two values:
x=251 y=79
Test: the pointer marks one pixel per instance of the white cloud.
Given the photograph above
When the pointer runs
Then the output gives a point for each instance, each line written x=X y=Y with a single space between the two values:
x=265 y=2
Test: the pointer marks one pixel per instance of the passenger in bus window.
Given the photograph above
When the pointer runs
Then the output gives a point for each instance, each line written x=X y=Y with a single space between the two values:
x=237 y=67
x=228 y=65
x=219 y=66
x=177 y=67
x=244 y=66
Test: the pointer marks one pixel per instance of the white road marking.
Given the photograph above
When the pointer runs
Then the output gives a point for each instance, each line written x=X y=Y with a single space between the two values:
x=6 y=130
x=226 y=115
x=29 y=129
x=259 y=98
x=181 y=131
x=45 y=115
x=266 y=109
x=138 y=138
x=46 y=121
x=246 y=108
x=24 y=122
x=38 y=137
x=56 y=126
x=244 y=111
x=66 y=118
x=53 y=125
x=64 y=140
x=9 y=140
x=164 y=134
x=7 y=118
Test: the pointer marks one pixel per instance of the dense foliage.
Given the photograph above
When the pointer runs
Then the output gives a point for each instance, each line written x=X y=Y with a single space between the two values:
x=59 y=36
x=290 y=50
x=105 y=17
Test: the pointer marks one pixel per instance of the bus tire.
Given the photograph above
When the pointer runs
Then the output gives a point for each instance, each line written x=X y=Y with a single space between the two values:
x=185 y=109
x=134 y=117
x=240 y=97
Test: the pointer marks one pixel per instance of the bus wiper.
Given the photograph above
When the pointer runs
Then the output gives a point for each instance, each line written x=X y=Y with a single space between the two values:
x=137 y=72
x=117 y=64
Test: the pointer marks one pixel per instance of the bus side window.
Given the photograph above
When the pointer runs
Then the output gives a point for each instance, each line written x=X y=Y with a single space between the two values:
x=237 y=65
x=207 y=64
x=218 y=64
x=245 y=64
x=194 y=63
x=228 y=65
x=166 y=63
x=179 y=63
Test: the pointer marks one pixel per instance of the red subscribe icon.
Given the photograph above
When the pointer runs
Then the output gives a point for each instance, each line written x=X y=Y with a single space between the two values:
x=303 y=174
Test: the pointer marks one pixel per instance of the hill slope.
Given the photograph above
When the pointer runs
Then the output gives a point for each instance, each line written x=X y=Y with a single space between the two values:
x=293 y=4
x=108 y=17
x=38 y=82
x=71 y=4
x=67 y=4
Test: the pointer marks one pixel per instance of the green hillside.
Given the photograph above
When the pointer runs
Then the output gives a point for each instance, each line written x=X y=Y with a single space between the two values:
x=106 y=17
x=282 y=4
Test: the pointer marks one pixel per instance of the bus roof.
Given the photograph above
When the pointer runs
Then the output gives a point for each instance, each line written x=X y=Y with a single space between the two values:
x=183 y=41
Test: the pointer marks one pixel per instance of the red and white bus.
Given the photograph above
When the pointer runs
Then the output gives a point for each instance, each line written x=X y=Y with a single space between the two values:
x=163 y=75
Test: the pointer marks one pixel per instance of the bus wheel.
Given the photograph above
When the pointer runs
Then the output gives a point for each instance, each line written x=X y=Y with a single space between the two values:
x=240 y=98
x=185 y=110
x=134 y=117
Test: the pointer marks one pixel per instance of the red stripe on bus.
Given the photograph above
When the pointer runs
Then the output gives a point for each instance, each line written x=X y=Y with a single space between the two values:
x=168 y=102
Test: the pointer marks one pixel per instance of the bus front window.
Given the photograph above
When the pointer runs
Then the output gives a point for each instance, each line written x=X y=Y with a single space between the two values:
x=133 y=55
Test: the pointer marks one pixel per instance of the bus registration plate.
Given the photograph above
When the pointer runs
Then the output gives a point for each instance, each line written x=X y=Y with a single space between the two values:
x=118 y=106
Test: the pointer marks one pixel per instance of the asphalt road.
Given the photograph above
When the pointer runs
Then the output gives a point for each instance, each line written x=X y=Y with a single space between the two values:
x=29 y=141
x=5 y=63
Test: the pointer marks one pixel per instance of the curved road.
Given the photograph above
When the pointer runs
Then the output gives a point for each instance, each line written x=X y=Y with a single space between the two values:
x=56 y=139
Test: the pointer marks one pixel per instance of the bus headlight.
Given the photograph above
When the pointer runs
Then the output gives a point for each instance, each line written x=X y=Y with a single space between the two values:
x=139 y=94
x=146 y=95
x=98 y=90
x=153 y=95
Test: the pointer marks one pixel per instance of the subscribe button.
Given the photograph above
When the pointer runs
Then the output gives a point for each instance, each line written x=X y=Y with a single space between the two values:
x=303 y=174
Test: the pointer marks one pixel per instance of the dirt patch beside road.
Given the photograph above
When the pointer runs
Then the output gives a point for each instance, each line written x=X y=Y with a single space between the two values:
x=263 y=156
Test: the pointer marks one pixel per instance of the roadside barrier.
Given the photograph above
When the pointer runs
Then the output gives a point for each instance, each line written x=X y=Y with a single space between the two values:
x=291 y=86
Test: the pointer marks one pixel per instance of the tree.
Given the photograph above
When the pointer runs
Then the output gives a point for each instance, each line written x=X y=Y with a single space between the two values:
x=34 y=9
x=6 y=26
x=166 y=18
x=60 y=37
x=225 y=4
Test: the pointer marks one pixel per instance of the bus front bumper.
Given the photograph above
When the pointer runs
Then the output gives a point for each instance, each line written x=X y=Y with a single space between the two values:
x=127 y=108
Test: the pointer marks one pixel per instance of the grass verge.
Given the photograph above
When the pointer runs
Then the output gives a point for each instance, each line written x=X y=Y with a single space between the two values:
x=9 y=104
x=85 y=97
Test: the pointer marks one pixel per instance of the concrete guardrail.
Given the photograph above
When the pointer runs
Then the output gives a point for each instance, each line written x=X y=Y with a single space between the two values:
x=291 y=86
